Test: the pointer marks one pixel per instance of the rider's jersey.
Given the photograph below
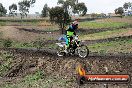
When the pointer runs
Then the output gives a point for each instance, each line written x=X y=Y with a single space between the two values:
x=70 y=31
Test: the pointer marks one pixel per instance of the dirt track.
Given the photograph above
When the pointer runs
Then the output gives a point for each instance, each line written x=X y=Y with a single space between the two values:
x=29 y=60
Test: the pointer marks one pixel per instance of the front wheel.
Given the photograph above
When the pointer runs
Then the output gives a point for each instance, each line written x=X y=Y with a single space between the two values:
x=83 y=51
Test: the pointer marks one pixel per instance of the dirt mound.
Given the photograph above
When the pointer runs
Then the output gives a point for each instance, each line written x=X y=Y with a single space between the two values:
x=28 y=34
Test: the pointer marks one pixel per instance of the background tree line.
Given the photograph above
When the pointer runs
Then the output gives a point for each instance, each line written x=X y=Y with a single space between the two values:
x=3 y=11
x=125 y=10
x=23 y=8
x=60 y=15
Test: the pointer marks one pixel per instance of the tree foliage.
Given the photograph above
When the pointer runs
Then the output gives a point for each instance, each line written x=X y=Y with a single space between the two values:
x=68 y=3
x=3 y=11
x=119 y=10
x=13 y=10
x=45 y=11
x=59 y=16
x=80 y=9
x=24 y=7
x=77 y=8
x=32 y=2
x=127 y=5
x=128 y=8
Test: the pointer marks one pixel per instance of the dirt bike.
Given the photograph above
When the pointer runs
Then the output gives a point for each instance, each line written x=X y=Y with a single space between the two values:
x=75 y=46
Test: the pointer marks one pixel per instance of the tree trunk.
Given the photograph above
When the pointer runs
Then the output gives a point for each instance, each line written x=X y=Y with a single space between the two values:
x=62 y=30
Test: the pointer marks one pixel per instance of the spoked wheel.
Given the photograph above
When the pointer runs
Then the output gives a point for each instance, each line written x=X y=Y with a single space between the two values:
x=83 y=51
x=60 y=51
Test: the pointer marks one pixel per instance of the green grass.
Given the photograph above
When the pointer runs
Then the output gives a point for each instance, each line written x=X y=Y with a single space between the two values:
x=23 y=21
x=119 y=46
x=95 y=25
x=34 y=77
x=6 y=59
x=128 y=17
x=105 y=34
x=2 y=23
x=28 y=81
x=19 y=20
x=1 y=34
x=18 y=23
x=22 y=45
x=41 y=83
x=33 y=22
x=16 y=44
x=38 y=80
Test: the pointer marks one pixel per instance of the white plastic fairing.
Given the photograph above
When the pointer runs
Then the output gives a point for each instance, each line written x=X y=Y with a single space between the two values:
x=60 y=44
x=76 y=38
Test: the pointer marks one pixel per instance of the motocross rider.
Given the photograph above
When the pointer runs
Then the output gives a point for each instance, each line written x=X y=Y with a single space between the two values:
x=70 y=32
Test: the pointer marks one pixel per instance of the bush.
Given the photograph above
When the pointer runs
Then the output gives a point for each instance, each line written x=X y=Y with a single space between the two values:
x=38 y=43
x=7 y=43
x=34 y=77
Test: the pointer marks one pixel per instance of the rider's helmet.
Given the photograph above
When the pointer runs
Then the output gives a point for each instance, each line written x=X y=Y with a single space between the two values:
x=75 y=25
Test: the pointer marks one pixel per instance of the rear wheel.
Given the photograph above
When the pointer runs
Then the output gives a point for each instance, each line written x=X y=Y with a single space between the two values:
x=83 y=51
x=60 y=51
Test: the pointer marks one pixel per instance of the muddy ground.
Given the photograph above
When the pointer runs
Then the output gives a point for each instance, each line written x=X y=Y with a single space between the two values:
x=28 y=61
